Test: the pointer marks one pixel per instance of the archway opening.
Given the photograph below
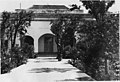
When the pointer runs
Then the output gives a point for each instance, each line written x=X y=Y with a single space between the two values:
x=47 y=45
x=29 y=40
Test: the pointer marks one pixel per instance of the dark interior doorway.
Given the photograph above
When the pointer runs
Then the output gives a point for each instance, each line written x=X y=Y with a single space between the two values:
x=29 y=40
x=48 y=44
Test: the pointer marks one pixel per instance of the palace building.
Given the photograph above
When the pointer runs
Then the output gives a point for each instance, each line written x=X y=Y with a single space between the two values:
x=39 y=34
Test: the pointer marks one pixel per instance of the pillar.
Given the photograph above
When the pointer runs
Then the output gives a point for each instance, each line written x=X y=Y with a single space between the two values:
x=36 y=45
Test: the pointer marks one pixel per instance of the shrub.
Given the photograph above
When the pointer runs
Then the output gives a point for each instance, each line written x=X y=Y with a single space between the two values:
x=28 y=50
x=16 y=57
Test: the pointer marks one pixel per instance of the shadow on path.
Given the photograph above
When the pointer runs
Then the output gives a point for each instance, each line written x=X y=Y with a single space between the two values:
x=60 y=71
x=47 y=70
x=85 y=79
x=80 y=79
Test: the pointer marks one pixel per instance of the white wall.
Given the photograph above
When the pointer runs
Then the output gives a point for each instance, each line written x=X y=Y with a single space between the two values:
x=37 y=29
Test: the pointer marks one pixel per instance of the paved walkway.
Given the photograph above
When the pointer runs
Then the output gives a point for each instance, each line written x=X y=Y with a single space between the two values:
x=45 y=69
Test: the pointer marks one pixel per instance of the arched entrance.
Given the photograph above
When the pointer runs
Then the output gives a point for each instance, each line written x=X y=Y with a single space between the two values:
x=47 y=45
x=29 y=40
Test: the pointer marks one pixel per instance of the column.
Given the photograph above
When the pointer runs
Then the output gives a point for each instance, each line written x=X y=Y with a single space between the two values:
x=36 y=45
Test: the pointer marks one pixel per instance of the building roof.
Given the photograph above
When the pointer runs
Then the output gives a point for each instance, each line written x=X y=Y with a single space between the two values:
x=48 y=7
x=52 y=15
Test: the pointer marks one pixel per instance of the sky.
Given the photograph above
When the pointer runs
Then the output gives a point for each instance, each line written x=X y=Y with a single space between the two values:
x=11 y=5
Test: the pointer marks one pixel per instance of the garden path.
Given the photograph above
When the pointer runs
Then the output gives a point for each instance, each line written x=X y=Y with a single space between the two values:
x=45 y=69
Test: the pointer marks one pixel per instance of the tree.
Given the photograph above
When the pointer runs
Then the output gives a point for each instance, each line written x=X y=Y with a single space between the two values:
x=20 y=21
x=97 y=38
x=58 y=30
x=64 y=30
x=98 y=10
x=90 y=37
x=12 y=25
x=5 y=25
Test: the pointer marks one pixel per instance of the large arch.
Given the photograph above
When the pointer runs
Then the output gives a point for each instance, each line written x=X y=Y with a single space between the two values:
x=46 y=44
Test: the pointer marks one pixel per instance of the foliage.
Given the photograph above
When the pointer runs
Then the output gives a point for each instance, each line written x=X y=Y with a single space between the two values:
x=16 y=57
x=28 y=50
x=11 y=60
x=97 y=8
x=13 y=25
x=57 y=29
x=64 y=29
x=97 y=40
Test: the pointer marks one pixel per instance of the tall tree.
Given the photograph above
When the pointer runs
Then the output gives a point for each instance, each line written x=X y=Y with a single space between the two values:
x=20 y=21
x=99 y=35
x=96 y=47
x=98 y=10
x=5 y=24
x=14 y=24
x=58 y=30
x=64 y=29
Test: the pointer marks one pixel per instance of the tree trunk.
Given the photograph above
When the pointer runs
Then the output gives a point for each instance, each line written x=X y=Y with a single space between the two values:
x=106 y=66
x=60 y=53
x=14 y=39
